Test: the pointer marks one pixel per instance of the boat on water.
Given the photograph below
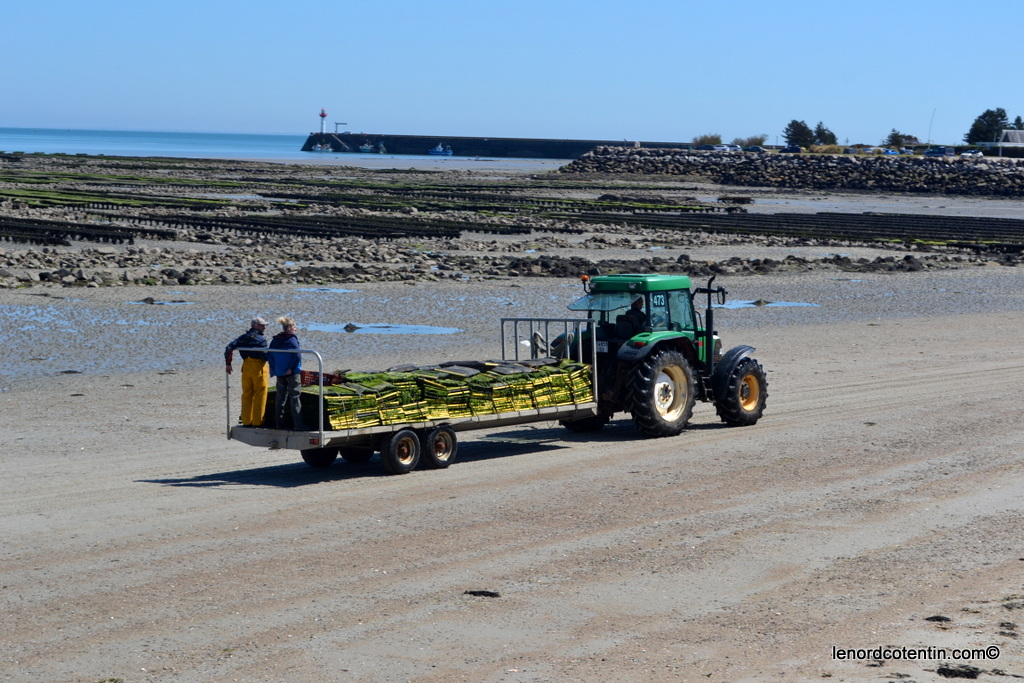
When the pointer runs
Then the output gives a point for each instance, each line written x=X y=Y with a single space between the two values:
x=321 y=148
x=444 y=151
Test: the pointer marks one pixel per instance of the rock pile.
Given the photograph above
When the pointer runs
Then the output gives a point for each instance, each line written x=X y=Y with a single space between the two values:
x=277 y=260
x=939 y=175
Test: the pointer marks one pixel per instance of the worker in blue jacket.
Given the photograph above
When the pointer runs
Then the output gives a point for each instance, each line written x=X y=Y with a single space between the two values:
x=255 y=372
x=287 y=368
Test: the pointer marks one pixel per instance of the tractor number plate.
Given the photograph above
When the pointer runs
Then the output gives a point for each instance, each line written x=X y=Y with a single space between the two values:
x=602 y=347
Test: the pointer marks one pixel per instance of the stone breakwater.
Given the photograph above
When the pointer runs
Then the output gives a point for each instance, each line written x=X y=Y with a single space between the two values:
x=939 y=175
x=276 y=260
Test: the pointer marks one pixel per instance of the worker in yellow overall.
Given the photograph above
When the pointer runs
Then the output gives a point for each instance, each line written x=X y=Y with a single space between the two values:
x=255 y=371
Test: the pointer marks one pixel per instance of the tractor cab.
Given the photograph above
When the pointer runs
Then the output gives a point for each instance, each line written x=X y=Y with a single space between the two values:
x=660 y=310
x=665 y=312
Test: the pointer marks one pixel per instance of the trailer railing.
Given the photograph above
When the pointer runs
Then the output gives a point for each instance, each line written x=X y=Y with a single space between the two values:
x=533 y=338
x=320 y=381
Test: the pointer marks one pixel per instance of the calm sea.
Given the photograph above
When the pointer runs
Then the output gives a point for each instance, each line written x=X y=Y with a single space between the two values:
x=275 y=148
x=152 y=144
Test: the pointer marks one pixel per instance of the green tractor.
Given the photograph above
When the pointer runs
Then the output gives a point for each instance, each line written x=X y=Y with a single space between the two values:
x=654 y=357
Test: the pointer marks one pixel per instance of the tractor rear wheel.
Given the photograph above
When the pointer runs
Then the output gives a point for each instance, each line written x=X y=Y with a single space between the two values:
x=661 y=394
x=746 y=392
x=400 y=453
x=439 y=447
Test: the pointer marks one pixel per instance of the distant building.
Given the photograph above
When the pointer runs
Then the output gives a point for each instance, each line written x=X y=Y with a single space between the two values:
x=1012 y=138
x=1009 y=139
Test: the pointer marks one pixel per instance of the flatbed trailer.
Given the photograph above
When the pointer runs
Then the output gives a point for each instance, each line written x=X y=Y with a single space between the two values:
x=405 y=445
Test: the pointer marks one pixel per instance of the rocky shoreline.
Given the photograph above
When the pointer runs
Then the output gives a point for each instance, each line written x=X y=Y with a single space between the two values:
x=318 y=261
x=988 y=176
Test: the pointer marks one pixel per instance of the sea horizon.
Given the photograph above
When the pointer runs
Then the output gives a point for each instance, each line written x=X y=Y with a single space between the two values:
x=142 y=143
x=271 y=147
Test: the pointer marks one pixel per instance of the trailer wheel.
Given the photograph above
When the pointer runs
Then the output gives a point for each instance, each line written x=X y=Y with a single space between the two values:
x=320 y=457
x=400 y=452
x=357 y=455
x=439 y=447
x=661 y=394
x=745 y=395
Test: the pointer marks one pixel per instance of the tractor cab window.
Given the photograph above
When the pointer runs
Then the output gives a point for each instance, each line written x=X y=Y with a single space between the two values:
x=659 y=315
x=671 y=311
x=612 y=309
x=680 y=309
x=607 y=304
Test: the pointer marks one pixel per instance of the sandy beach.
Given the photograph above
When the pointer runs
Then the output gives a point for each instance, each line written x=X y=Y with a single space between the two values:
x=867 y=528
x=880 y=489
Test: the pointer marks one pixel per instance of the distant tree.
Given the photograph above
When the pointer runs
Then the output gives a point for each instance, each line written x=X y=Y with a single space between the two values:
x=1018 y=123
x=752 y=141
x=897 y=140
x=988 y=126
x=708 y=139
x=823 y=136
x=798 y=133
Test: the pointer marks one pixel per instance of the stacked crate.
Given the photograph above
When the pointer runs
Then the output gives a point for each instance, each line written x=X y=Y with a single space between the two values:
x=412 y=394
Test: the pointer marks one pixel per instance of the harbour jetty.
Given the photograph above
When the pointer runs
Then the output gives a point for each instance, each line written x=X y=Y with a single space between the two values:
x=519 y=148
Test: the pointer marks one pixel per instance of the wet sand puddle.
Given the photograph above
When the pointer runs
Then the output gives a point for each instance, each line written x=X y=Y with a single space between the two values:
x=761 y=302
x=382 y=328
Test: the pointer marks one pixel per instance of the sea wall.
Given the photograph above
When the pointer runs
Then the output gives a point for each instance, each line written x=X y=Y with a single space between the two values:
x=936 y=175
x=519 y=148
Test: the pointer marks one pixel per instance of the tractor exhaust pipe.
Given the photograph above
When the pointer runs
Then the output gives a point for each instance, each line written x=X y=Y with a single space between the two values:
x=709 y=323
x=709 y=332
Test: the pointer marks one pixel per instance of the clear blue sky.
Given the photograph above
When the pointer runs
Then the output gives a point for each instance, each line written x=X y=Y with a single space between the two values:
x=664 y=70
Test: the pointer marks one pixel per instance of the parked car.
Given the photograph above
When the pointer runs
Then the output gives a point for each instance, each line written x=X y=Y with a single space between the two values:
x=733 y=148
x=792 y=149
x=971 y=154
x=713 y=148
x=851 y=150
x=753 y=148
x=891 y=152
x=940 y=152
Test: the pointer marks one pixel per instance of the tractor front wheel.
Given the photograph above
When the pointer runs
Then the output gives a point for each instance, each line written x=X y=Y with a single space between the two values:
x=746 y=392
x=661 y=394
